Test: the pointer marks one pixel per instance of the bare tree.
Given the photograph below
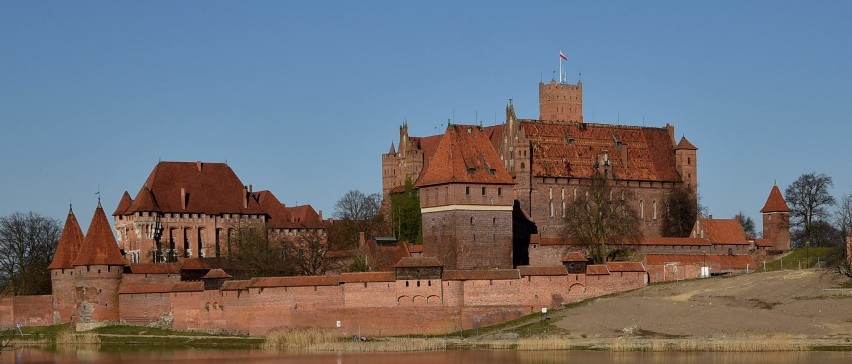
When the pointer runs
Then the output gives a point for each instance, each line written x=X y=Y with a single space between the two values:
x=747 y=224
x=254 y=254
x=602 y=220
x=357 y=213
x=681 y=210
x=809 y=199
x=27 y=244
x=307 y=251
x=6 y=338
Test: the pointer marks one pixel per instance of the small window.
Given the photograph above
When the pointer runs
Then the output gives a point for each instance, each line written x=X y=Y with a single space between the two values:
x=467 y=191
x=499 y=191
x=483 y=191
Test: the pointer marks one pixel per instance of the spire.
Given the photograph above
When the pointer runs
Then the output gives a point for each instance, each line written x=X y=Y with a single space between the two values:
x=99 y=246
x=685 y=144
x=775 y=202
x=69 y=243
x=392 y=150
x=123 y=204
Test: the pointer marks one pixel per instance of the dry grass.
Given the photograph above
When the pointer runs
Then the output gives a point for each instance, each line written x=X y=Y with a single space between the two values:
x=388 y=345
x=546 y=343
x=774 y=342
x=71 y=338
x=298 y=338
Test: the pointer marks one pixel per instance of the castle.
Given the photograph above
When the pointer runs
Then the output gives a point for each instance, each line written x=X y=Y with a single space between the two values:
x=491 y=199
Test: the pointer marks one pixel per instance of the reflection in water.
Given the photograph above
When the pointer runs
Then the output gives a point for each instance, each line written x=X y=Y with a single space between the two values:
x=30 y=355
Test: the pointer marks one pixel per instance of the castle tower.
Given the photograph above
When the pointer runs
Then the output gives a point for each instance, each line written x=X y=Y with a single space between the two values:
x=98 y=271
x=562 y=102
x=686 y=162
x=776 y=220
x=62 y=271
x=466 y=202
x=389 y=166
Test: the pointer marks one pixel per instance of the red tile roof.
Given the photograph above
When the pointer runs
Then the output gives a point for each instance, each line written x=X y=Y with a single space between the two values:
x=99 y=245
x=685 y=144
x=526 y=270
x=235 y=285
x=574 y=257
x=416 y=262
x=209 y=188
x=215 y=274
x=571 y=150
x=491 y=274
x=674 y=241
x=775 y=202
x=714 y=261
x=384 y=258
x=203 y=263
x=300 y=281
x=69 y=244
x=188 y=287
x=153 y=268
x=361 y=277
x=464 y=155
x=722 y=231
x=283 y=217
x=763 y=243
x=428 y=145
x=625 y=266
x=123 y=204
x=597 y=270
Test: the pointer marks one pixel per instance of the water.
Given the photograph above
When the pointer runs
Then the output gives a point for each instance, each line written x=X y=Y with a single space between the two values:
x=31 y=355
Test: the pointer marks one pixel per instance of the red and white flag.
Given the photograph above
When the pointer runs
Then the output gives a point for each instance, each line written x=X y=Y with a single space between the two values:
x=562 y=56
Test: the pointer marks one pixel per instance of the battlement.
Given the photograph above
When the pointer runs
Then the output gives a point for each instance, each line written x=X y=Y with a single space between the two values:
x=561 y=102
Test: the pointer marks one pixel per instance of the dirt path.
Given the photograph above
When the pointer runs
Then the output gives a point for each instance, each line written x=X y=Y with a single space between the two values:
x=788 y=302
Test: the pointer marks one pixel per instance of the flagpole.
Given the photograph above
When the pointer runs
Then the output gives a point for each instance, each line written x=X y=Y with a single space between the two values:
x=560 y=66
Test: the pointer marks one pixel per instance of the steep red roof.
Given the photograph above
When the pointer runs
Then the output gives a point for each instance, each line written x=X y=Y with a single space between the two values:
x=775 y=202
x=99 y=246
x=571 y=150
x=685 y=144
x=282 y=217
x=721 y=231
x=123 y=204
x=384 y=258
x=764 y=243
x=464 y=155
x=674 y=241
x=427 y=145
x=208 y=188
x=69 y=244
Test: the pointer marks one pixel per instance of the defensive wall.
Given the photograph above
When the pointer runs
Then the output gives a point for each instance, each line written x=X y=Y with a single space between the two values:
x=369 y=303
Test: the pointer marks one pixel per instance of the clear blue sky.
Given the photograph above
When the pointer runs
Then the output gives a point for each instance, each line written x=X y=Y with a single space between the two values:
x=303 y=97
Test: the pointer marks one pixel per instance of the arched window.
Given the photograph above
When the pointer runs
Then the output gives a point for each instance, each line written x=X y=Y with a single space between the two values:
x=522 y=166
x=551 y=208
x=471 y=221
x=654 y=213
x=641 y=209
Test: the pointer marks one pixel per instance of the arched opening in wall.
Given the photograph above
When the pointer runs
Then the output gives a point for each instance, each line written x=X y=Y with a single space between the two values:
x=654 y=206
x=433 y=300
x=641 y=209
x=522 y=229
x=523 y=167
x=688 y=160
x=172 y=233
x=218 y=241
x=550 y=206
x=403 y=301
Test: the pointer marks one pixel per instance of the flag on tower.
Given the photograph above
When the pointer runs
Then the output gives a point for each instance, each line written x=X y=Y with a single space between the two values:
x=562 y=56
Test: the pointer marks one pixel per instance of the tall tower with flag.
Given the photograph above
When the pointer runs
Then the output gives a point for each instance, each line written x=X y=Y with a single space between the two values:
x=560 y=101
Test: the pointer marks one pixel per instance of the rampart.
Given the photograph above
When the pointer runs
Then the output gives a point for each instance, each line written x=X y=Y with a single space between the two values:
x=370 y=303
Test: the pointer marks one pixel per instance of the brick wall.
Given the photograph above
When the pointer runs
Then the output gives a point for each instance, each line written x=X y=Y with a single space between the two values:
x=97 y=295
x=672 y=272
x=64 y=295
x=560 y=101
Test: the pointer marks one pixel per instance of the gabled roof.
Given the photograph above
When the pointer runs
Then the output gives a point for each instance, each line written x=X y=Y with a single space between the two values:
x=597 y=270
x=685 y=144
x=571 y=150
x=209 y=188
x=721 y=231
x=775 y=202
x=216 y=273
x=574 y=257
x=69 y=244
x=464 y=155
x=99 y=245
x=283 y=217
x=123 y=204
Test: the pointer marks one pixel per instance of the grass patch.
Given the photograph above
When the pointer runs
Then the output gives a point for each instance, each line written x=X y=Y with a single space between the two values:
x=73 y=339
x=807 y=257
x=389 y=345
x=298 y=338
x=771 y=343
x=143 y=330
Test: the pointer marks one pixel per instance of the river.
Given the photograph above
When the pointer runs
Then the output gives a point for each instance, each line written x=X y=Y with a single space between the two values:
x=32 y=355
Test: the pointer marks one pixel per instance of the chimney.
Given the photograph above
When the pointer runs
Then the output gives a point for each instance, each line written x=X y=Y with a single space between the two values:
x=245 y=197
x=670 y=130
x=183 y=198
x=624 y=156
x=198 y=165
x=250 y=188
x=320 y=215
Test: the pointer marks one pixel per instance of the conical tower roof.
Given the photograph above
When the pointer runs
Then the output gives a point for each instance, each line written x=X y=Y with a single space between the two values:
x=99 y=245
x=123 y=204
x=685 y=144
x=69 y=243
x=775 y=202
